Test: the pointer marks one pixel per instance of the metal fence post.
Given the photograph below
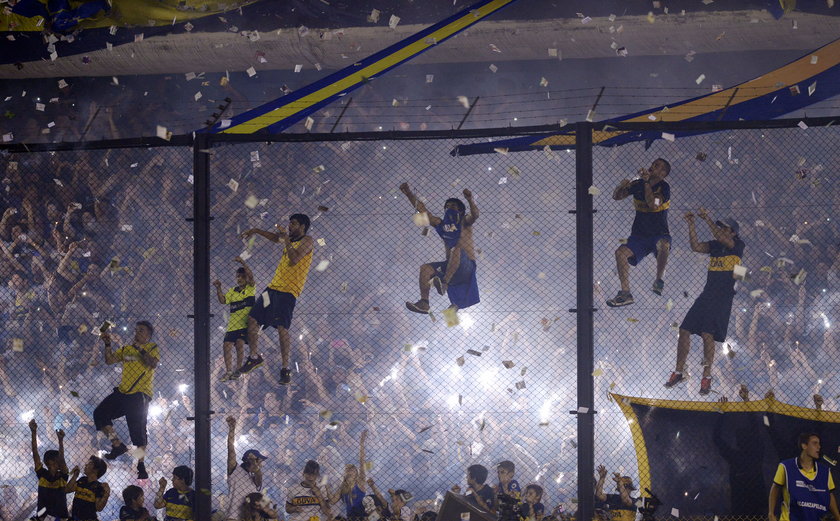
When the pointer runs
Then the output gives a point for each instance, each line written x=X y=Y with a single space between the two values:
x=584 y=233
x=201 y=304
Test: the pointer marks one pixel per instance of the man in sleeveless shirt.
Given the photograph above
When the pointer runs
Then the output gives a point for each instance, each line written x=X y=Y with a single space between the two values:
x=274 y=306
x=806 y=484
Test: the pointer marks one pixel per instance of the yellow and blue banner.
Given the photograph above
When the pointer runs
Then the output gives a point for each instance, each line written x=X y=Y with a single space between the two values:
x=810 y=79
x=719 y=459
x=287 y=110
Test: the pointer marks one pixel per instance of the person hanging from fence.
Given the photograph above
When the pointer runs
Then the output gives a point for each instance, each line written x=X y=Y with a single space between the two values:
x=240 y=298
x=275 y=305
x=708 y=317
x=456 y=276
x=52 y=476
x=91 y=495
x=649 y=234
x=131 y=398
x=806 y=484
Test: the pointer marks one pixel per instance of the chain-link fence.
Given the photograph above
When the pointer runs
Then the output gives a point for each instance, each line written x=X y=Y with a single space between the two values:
x=89 y=237
x=764 y=299
x=434 y=397
x=104 y=235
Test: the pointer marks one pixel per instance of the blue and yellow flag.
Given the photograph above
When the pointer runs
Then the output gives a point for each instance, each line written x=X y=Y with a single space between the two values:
x=810 y=79
x=287 y=110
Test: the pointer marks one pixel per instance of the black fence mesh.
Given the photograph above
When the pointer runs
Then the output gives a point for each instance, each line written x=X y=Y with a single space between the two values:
x=89 y=237
x=433 y=397
x=774 y=365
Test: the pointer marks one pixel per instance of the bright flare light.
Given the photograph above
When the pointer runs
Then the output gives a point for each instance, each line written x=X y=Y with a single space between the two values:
x=155 y=410
x=26 y=416
x=182 y=388
x=487 y=377
x=452 y=401
x=466 y=320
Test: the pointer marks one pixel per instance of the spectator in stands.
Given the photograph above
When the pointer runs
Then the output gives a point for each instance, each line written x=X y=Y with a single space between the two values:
x=621 y=505
x=243 y=478
x=52 y=475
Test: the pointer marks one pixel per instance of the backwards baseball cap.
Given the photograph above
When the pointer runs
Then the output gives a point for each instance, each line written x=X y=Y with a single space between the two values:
x=253 y=452
x=730 y=223
x=404 y=495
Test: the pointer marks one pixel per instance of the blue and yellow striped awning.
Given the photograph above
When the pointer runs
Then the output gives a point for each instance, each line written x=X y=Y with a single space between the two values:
x=810 y=79
x=287 y=110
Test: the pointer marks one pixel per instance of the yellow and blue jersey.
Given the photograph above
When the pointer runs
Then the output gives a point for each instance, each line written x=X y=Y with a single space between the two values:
x=650 y=220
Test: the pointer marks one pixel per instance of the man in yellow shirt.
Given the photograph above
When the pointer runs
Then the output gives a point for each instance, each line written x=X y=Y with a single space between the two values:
x=806 y=484
x=274 y=306
x=131 y=398
x=241 y=300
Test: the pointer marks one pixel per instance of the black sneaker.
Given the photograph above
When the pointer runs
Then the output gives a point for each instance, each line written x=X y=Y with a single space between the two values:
x=285 y=376
x=437 y=282
x=421 y=306
x=251 y=364
x=116 y=451
x=658 y=286
x=141 y=471
x=234 y=376
x=624 y=298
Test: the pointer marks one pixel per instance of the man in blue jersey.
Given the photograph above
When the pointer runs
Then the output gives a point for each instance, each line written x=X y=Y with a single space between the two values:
x=709 y=315
x=456 y=276
x=650 y=234
x=806 y=485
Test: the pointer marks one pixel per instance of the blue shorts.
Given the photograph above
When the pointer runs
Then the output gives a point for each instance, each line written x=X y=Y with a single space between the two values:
x=462 y=275
x=642 y=246
x=278 y=311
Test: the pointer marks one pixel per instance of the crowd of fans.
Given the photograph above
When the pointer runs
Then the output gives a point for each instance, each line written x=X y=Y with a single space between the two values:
x=94 y=236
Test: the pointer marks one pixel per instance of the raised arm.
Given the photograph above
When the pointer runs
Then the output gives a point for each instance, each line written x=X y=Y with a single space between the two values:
x=599 y=486
x=418 y=204
x=716 y=231
x=219 y=295
x=249 y=275
x=470 y=219
x=622 y=191
x=231 y=450
x=699 y=247
x=71 y=485
x=110 y=356
x=62 y=463
x=273 y=237
x=361 y=480
x=159 y=501
x=36 y=458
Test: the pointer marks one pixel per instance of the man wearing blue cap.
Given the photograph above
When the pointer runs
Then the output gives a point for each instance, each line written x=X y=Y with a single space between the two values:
x=244 y=478
x=709 y=315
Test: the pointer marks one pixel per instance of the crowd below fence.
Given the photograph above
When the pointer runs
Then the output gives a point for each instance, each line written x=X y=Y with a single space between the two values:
x=90 y=236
